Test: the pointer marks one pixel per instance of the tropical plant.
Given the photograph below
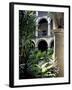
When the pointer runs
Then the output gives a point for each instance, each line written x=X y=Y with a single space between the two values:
x=26 y=31
x=27 y=26
x=41 y=64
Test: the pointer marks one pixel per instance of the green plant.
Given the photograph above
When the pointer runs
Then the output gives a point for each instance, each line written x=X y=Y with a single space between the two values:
x=41 y=64
x=27 y=26
x=26 y=31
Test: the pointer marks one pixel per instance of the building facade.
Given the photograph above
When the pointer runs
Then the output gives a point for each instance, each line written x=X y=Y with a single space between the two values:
x=44 y=31
x=50 y=34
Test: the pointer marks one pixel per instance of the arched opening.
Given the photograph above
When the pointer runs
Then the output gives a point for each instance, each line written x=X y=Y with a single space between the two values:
x=52 y=44
x=43 y=28
x=42 y=45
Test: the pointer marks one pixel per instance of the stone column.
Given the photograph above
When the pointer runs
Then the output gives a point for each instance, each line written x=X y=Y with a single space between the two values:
x=36 y=34
x=54 y=26
x=49 y=26
x=59 y=51
x=36 y=30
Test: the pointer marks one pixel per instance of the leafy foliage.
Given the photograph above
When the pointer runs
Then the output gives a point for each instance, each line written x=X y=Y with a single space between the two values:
x=27 y=26
x=40 y=64
x=26 y=31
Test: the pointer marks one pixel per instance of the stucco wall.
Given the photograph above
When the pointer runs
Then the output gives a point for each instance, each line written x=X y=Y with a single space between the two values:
x=59 y=51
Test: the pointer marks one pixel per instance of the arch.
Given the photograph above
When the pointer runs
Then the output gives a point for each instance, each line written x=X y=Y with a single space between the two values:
x=43 y=27
x=42 y=20
x=45 y=18
x=42 y=45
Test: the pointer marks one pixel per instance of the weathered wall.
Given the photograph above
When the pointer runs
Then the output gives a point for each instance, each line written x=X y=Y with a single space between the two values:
x=59 y=50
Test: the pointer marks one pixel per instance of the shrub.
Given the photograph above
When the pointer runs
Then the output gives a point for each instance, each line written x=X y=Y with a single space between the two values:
x=41 y=64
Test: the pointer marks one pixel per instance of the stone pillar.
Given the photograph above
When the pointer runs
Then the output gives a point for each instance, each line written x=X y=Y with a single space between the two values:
x=36 y=34
x=54 y=26
x=36 y=30
x=59 y=51
x=49 y=26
